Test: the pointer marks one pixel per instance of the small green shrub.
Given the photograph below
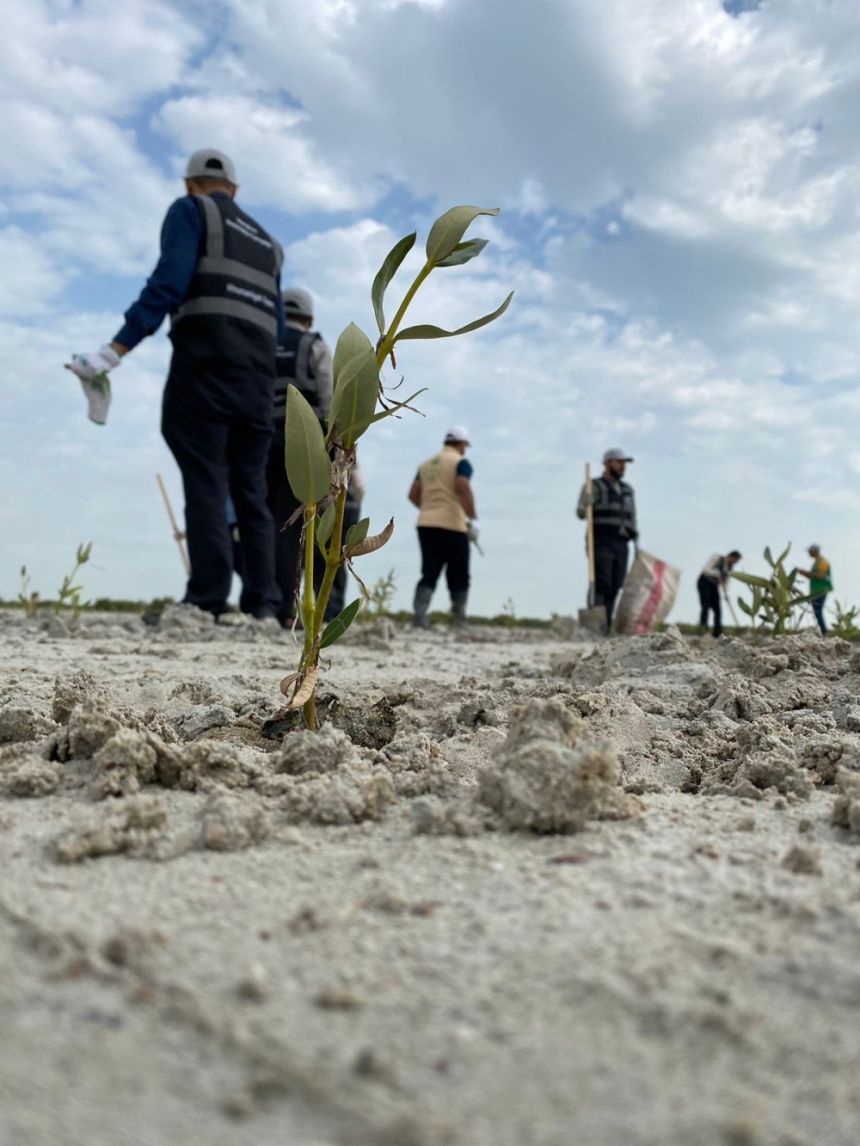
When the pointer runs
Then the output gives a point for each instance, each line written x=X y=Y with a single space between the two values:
x=775 y=606
x=845 y=625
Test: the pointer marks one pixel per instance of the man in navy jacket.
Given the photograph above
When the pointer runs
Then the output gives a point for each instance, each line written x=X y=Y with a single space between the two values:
x=218 y=278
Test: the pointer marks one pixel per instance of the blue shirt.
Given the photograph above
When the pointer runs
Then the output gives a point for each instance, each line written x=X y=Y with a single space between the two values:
x=183 y=234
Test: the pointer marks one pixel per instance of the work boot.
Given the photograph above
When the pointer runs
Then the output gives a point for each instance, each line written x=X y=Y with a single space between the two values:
x=458 y=609
x=421 y=604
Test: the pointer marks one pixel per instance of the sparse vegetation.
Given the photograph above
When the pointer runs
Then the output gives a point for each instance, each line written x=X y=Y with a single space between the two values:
x=68 y=595
x=382 y=595
x=28 y=599
x=845 y=625
x=776 y=606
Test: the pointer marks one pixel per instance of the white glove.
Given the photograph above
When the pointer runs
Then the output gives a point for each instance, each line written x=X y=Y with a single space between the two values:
x=92 y=370
x=473 y=531
x=90 y=366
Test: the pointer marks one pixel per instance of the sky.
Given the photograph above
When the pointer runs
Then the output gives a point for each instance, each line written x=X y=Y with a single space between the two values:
x=678 y=184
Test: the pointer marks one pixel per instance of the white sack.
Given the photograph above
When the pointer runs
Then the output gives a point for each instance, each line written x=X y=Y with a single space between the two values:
x=649 y=593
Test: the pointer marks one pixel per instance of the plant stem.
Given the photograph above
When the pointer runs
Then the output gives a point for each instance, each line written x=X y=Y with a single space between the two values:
x=308 y=588
x=333 y=562
x=387 y=341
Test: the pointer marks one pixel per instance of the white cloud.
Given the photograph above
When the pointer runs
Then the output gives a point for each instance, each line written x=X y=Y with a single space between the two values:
x=681 y=229
x=269 y=144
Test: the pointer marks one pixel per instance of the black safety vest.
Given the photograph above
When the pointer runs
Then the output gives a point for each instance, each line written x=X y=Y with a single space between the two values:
x=293 y=364
x=230 y=314
x=614 y=509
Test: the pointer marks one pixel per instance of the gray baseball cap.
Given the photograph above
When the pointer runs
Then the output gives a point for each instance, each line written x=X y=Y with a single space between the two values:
x=210 y=162
x=298 y=303
x=617 y=455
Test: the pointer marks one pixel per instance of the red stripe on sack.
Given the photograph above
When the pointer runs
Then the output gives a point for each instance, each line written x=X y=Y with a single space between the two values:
x=649 y=610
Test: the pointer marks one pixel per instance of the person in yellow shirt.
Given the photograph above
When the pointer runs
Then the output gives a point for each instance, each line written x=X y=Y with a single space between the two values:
x=820 y=584
x=442 y=492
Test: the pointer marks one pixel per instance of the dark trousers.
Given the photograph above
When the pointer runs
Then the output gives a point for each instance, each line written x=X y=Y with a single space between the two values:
x=288 y=539
x=221 y=450
x=610 y=569
x=444 y=549
x=709 y=599
x=818 y=610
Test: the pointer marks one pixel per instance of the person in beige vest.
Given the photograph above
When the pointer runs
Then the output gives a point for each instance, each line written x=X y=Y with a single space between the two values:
x=442 y=491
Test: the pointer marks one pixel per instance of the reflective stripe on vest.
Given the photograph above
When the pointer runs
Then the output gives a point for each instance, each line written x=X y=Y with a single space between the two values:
x=293 y=364
x=230 y=287
x=614 y=507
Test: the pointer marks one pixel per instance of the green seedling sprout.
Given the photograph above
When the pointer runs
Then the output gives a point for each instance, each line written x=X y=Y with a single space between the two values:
x=382 y=595
x=318 y=464
x=28 y=600
x=69 y=594
x=775 y=600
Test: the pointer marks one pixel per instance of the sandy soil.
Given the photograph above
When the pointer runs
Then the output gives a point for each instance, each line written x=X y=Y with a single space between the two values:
x=521 y=891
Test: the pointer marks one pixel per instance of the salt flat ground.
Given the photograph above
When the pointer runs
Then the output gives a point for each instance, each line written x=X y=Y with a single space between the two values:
x=213 y=930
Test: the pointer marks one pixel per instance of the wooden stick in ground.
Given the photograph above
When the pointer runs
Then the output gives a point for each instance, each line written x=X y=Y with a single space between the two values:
x=732 y=611
x=178 y=535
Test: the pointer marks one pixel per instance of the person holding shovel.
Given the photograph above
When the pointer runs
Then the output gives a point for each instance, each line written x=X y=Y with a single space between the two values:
x=609 y=505
x=714 y=578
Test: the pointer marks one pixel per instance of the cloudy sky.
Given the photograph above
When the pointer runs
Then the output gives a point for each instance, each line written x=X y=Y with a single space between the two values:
x=679 y=190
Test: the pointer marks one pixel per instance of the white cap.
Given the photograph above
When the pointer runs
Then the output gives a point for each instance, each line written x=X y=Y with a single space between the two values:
x=210 y=162
x=297 y=302
x=457 y=434
x=616 y=455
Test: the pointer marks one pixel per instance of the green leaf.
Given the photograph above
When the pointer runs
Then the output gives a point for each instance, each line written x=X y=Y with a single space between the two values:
x=352 y=342
x=744 y=607
x=324 y=528
x=356 y=533
x=752 y=579
x=355 y=397
x=448 y=230
x=389 y=413
x=325 y=525
x=308 y=465
x=386 y=273
x=768 y=556
x=428 y=331
x=784 y=554
x=335 y=629
x=463 y=252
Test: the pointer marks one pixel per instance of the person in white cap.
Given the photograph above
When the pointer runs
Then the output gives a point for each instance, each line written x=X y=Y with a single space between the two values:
x=218 y=278
x=615 y=527
x=447 y=522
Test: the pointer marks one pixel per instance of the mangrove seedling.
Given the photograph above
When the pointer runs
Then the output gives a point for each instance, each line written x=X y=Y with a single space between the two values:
x=319 y=463
x=69 y=594
x=27 y=598
x=381 y=595
x=774 y=600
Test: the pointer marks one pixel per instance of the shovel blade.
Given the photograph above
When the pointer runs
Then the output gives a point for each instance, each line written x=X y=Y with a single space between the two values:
x=593 y=619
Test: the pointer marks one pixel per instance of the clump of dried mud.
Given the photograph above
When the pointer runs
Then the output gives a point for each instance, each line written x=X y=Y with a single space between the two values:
x=550 y=776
